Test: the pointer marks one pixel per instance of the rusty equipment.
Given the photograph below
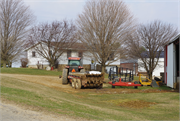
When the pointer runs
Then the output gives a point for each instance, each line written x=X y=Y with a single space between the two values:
x=75 y=74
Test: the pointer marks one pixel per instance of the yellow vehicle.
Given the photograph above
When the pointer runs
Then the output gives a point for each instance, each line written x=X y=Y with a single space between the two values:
x=146 y=82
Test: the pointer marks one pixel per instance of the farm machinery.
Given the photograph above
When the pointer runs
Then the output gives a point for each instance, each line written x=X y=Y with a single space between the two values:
x=118 y=77
x=147 y=82
x=75 y=74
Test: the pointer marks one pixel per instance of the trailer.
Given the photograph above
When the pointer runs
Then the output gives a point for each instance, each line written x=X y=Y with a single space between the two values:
x=120 y=83
x=75 y=74
x=119 y=78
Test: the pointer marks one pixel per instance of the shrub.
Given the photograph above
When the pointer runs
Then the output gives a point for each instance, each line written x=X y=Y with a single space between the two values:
x=24 y=62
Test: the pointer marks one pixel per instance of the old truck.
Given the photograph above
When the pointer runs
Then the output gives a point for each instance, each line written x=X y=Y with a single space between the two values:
x=75 y=74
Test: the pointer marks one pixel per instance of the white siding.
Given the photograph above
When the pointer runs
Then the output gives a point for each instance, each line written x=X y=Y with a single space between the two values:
x=87 y=57
x=74 y=54
x=34 y=60
x=157 y=70
x=115 y=62
x=170 y=65
x=63 y=59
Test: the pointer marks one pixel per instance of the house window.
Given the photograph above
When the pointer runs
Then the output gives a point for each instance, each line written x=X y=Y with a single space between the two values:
x=111 y=57
x=68 y=53
x=33 y=54
x=80 y=54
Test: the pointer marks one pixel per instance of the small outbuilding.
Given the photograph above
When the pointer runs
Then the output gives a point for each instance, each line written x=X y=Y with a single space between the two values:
x=172 y=63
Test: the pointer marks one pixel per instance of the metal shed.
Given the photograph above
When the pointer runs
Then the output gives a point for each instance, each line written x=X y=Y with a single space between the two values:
x=172 y=63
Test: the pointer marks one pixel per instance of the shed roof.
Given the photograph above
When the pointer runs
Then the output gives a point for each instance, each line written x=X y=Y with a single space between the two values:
x=175 y=39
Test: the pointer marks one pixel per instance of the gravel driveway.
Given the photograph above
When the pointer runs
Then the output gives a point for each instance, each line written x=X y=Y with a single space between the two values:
x=12 y=112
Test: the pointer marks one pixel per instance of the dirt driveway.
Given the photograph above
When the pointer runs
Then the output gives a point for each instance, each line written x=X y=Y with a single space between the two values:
x=56 y=83
x=11 y=112
x=50 y=81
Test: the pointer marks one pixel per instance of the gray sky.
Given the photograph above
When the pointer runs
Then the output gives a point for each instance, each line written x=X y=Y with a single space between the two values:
x=144 y=10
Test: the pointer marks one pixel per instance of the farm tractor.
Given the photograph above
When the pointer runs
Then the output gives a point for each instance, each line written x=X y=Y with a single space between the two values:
x=75 y=74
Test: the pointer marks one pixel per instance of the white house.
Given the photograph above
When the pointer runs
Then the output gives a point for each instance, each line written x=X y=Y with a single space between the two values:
x=89 y=63
x=159 y=68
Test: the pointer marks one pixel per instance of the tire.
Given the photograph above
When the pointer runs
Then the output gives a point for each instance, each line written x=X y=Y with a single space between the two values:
x=136 y=87
x=73 y=83
x=82 y=70
x=78 y=84
x=64 y=76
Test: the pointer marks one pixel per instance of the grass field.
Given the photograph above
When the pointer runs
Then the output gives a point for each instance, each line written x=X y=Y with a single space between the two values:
x=30 y=71
x=94 y=104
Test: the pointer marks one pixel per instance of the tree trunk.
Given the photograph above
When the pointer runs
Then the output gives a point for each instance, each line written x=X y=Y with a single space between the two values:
x=103 y=69
x=4 y=65
x=150 y=75
x=10 y=64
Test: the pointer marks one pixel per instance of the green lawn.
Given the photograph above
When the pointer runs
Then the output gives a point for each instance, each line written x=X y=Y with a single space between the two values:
x=91 y=105
x=30 y=71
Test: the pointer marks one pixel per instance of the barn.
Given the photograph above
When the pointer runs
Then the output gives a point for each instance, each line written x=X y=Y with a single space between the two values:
x=171 y=63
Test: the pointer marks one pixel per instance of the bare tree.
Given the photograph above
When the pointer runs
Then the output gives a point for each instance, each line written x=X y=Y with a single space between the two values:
x=148 y=42
x=51 y=40
x=24 y=62
x=15 y=18
x=103 y=27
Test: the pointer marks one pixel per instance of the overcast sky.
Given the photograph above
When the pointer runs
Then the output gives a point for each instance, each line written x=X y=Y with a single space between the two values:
x=144 y=10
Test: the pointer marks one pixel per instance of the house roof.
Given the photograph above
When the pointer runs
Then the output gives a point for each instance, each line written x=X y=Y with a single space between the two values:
x=146 y=55
x=75 y=46
x=129 y=60
x=29 y=46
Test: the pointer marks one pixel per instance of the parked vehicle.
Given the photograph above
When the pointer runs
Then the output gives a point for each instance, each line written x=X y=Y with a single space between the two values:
x=75 y=74
x=148 y=82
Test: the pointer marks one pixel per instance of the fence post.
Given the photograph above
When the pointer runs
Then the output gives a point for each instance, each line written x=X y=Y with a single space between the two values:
x=120 y=72
x=116 y=71
x=110 y=73
x=129 y=74
x=132 y=75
